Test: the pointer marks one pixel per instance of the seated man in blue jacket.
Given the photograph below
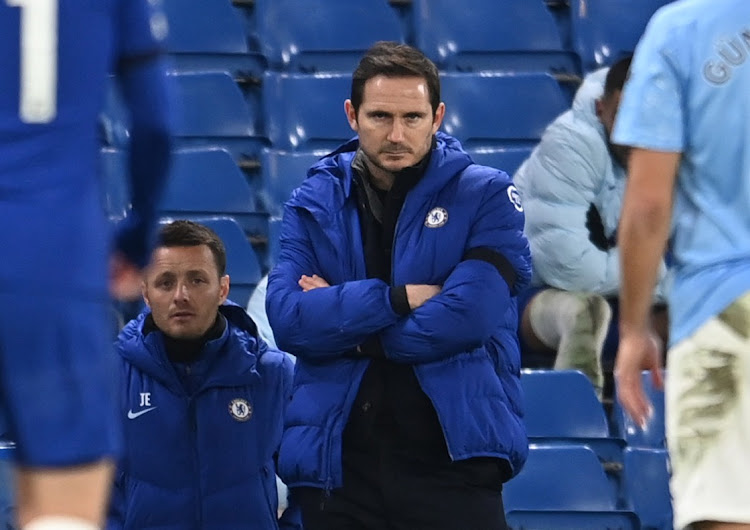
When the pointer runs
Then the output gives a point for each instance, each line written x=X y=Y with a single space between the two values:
x=202 y=399
x=394 y=288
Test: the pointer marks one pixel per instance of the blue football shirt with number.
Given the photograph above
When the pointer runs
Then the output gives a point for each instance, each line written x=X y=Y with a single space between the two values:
x=55 y=56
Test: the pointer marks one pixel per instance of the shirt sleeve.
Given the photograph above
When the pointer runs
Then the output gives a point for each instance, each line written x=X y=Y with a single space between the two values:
x=652 y=111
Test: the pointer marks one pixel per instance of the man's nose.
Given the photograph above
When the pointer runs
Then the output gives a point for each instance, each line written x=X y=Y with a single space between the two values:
x=181 y=293
x=396 y=134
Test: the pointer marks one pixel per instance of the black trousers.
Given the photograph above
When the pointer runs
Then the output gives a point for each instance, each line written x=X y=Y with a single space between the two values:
x=385 y=490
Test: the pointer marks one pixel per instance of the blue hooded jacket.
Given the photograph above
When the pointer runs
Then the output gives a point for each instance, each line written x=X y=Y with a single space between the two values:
x=206 y=459
x=462 y=342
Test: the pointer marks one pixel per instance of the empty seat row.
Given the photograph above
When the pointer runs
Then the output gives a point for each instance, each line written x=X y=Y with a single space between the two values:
x=561 y=404
x=307 y=111
x=564 y=487
x=630 y=466
x=475 y=35
x=202 y=181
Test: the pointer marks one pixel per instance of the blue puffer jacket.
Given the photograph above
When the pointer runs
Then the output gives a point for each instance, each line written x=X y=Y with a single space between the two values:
x=462 y=343
x=205 y=460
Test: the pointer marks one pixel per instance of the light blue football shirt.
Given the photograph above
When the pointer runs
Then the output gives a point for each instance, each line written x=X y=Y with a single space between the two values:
x=689 y=92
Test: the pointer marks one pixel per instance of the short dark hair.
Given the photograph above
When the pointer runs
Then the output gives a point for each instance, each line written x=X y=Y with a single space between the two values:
x=617 y=75
x=392 y=59
x=183 y=233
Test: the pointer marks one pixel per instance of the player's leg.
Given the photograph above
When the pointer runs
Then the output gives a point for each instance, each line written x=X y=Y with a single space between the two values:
x=707 y=405
x=77 y=496
x=57 y=377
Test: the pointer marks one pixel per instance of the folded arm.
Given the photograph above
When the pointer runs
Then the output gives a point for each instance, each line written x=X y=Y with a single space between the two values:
x=470 y=305
x=320 y=322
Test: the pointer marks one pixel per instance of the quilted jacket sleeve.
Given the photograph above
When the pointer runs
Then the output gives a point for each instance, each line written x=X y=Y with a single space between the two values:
x=469 y=308
x=326 y=322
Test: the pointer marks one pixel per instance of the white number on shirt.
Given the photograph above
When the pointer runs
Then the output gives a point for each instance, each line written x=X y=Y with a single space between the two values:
x=38 y=90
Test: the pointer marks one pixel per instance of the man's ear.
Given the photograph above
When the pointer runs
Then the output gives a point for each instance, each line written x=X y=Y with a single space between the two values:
x=351 y=115
x=144 y=293
x=223 y=288
x=437 y=119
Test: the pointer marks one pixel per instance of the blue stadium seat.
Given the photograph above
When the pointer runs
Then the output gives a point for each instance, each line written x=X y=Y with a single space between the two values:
x=198 y=26
x=207 y=181
x=605 y=31
x=243 y=267
x=563 y=487
x=561 y=407
x=306 y=112
x=211 y=109
x=114 y=118
x=477 y=35
x=114 y=179
x=7 y=449
x=491 y=110
x=322 y=35
x=211 y=104
x=646 y=487
x=282 y=172
x=508 y=159
x=274 y=233
x=209 y=36
x=653 y=436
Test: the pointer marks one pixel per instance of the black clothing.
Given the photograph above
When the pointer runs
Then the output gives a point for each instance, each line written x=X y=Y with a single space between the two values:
x=386 y=491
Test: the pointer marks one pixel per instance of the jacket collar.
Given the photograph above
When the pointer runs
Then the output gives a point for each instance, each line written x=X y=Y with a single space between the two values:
x=234 y=354
x=329 y=182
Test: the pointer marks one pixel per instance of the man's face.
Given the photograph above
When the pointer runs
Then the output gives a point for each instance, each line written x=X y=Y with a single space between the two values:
x=395 y=121
x=183 y=289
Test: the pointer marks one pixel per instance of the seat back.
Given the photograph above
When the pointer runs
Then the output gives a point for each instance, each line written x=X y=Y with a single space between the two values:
x=477 y=35
x=115 y=183
x=562 y=404
x=566 y=477
x=605 y=31
x=507 y=159
x=322 y=35
x=646 y=486
x=498 y=110
x=565 y=488
x=207 y=181
x=282 y=172
x=210 y=104
x=306 y=112
x=198 y=26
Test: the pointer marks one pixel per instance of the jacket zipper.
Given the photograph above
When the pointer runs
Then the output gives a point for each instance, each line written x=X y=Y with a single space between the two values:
x=393 y=282
x=269 y=495
x=194 y=432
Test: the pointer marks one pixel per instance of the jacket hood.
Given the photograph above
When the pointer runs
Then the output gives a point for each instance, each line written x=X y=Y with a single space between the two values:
x=584 y=103
x=148 y=355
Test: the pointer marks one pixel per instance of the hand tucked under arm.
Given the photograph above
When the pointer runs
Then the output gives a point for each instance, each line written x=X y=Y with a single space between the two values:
x=308 y=283
x=418 y=294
